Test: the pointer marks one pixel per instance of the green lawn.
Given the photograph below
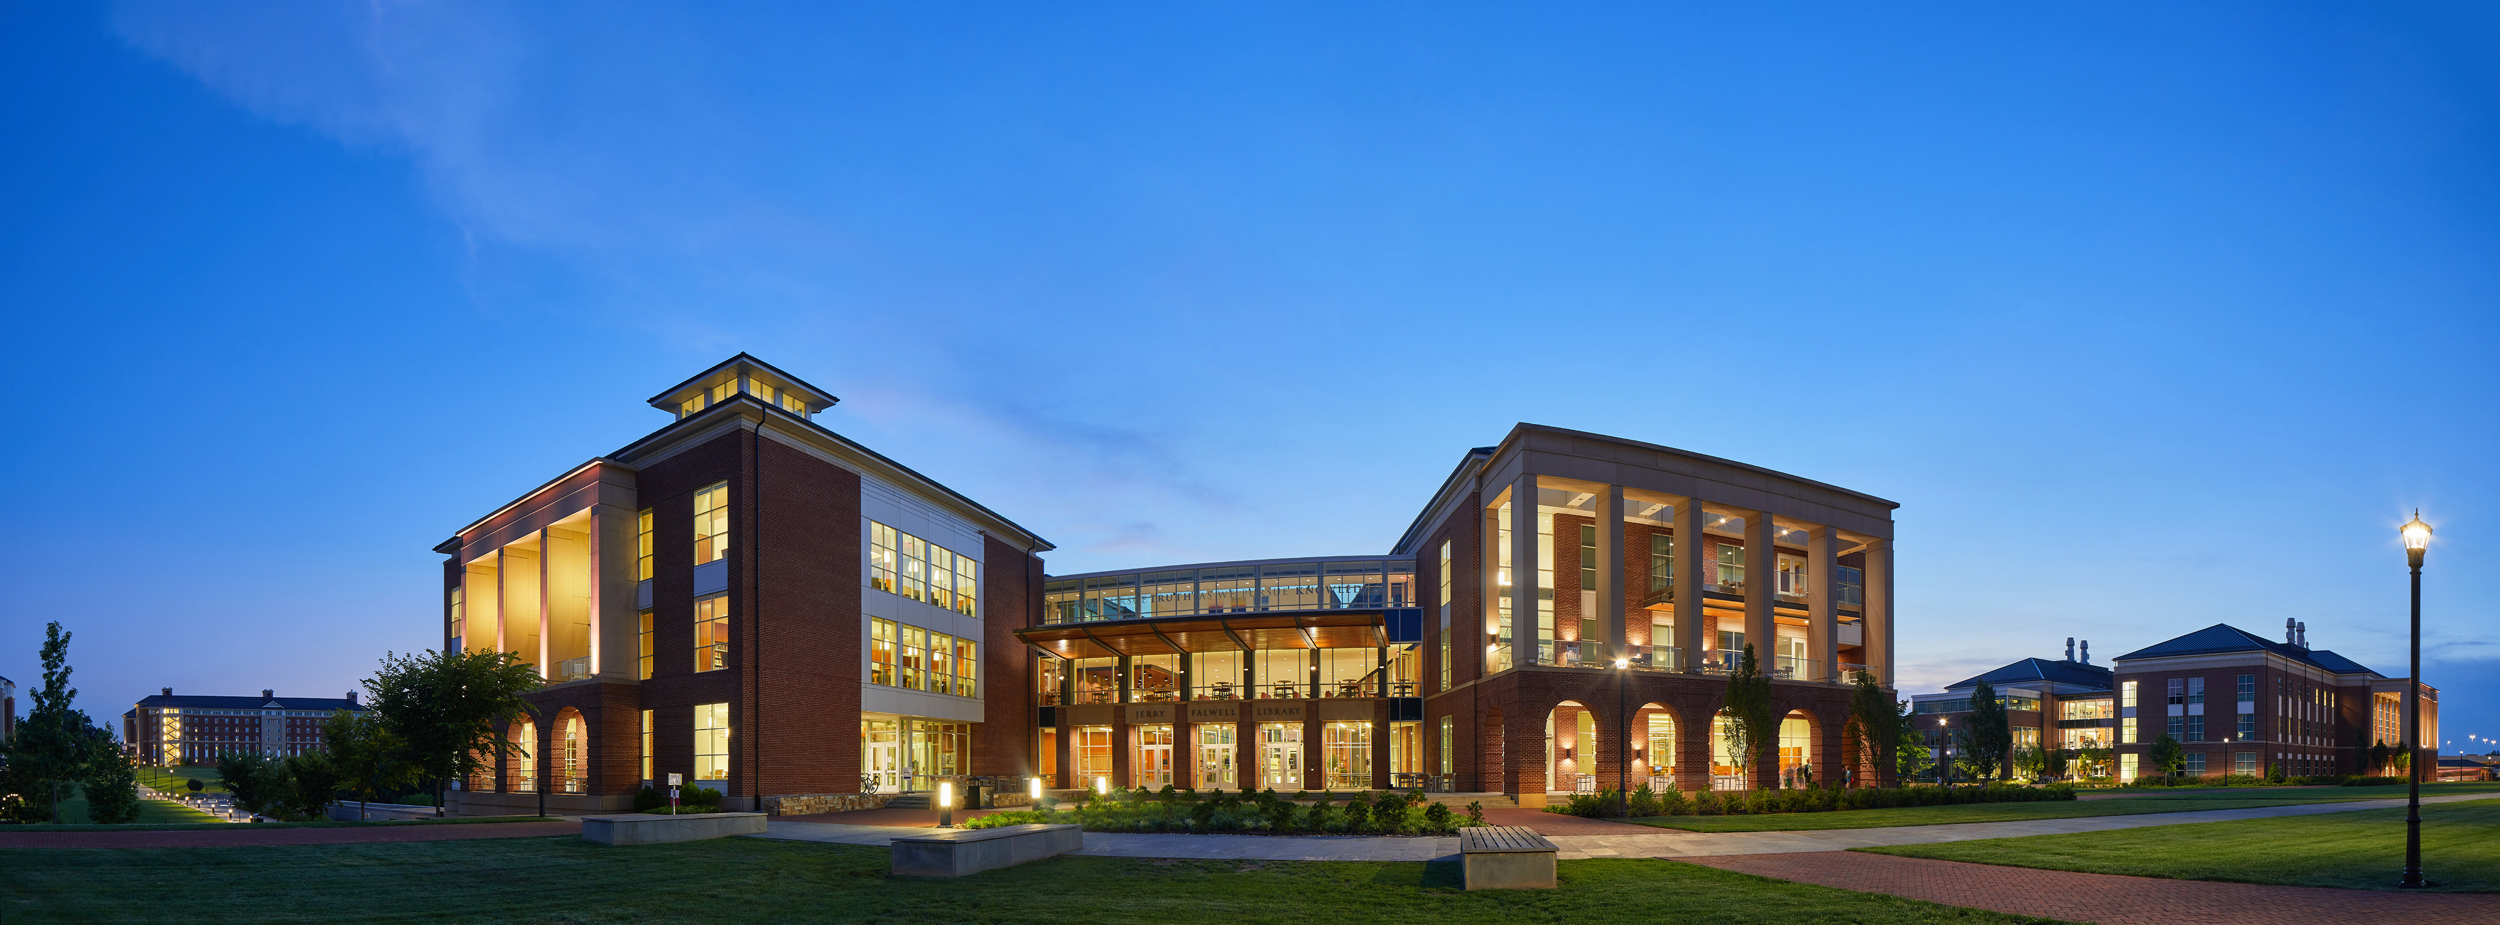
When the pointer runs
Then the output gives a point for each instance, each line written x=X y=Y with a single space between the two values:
x=171 y=779
x=168 y=812
x=2357 y=850
x=2132 y=804
x=756 y=881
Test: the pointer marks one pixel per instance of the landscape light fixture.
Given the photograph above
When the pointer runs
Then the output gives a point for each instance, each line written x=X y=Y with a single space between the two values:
x=946 y=804
x=1102 y=786
x=2417 y=541
x=1033 y=788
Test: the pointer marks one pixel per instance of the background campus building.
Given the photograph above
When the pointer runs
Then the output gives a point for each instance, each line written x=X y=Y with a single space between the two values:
x=169 y=729
x=2237 y=702
x=752 y=601
x=1559 y=617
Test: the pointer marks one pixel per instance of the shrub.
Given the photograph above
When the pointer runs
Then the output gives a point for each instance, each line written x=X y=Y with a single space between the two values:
x=1437 y=817
x=1279 y=815
x=1358 y=811
x=1475 y=812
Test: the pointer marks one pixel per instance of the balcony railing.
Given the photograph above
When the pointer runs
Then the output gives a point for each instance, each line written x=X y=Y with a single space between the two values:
x=573 y=669
x=1783 y=668
x=1849 y=672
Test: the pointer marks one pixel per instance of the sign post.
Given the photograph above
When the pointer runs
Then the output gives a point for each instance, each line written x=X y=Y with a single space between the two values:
x=674 y=779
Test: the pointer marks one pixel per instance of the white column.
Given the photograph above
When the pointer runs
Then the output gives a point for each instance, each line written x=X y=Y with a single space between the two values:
x=1688 y=581
x=1761 y=588
x=1523 y=621
x=615 y=624
x=1878 y=622
x=546 y=669
x=1822 y=621
x=1490 y=567
x=1610 y=564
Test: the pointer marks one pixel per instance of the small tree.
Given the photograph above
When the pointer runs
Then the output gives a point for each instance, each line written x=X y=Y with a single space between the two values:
x=369 y=759
x=1877 y=724
x=2166 y=755
x=306 y=786
x=448 y=707
x=2095 y=758
x=257 y=782
x=111 y=783
x=1752 y=725
x=1911 y=757
x=2057 y=759
x=1991 y=734
x=55 y=746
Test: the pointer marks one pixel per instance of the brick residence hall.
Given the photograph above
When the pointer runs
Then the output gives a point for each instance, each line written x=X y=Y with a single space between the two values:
x=749 y=599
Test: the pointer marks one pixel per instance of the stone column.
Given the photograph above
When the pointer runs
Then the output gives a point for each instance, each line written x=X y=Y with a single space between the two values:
x=1877 y=630
x=1822 y=621
x=1488 y=568
x=1610 y=591
x=1688 y=582
x=1761 y=589
x=546 y=628
x=1523 y=586
x=615 y=623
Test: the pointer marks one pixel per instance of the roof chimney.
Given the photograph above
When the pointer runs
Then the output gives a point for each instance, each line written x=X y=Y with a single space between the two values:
x=2304 y=636
x=2070 y=648
x=351 y=698
x=169 y=692
x=2291 y=632
x=266 y=693
x=2087 y=651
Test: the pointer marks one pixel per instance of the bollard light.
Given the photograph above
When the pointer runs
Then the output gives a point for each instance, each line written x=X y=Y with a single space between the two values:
x=1102 y=786
x=1033 y=788
x=946 y=804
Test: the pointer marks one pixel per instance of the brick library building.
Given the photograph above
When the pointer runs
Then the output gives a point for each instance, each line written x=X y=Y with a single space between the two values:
x=748 y=599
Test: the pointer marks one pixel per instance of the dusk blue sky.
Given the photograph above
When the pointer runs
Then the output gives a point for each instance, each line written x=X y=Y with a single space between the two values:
x=2150 y=318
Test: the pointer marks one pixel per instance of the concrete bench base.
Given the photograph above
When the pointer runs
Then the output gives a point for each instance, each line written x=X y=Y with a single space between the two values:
x=1506 y=857
x=654 y=830
x=970 y=851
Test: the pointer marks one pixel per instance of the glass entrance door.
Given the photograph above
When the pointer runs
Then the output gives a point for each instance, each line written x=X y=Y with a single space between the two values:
x=1153 y=766
x=1280 y=756
x=1217 y=755
x=880 y=755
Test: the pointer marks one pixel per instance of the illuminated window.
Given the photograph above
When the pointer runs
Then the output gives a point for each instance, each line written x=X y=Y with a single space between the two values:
x=642 y=667
x=459 y=616
x=522 y=764
x=1661 y=564
x=910 y=655
x=941 y=663
x=646 y=746
x=711 y=524
x=760 y=390
x=966 y=580
x=941 y=576
x=915 y=566
x=1449 y=745
x=711 y=634
x=642 y=542
x=1446 y=583
x=575 y=770
x=1588 y=557
x=881 y=652
x=1731 y=566
x=967 y=661
x=881 y=557
x=711 y=741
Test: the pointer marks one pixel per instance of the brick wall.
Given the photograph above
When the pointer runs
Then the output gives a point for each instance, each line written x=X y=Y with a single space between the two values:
x=1011 y=591
x=667 y=489
x=803 y=656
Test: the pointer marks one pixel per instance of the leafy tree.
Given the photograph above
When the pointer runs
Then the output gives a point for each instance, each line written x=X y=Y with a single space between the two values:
x=1877 y=724
x=2031 y=763
x=306 y=786
x=1991 y=734
x=2166 y=755
x=370 y=760
x=193 y=785
x=2056 y=762
x=1752 y=723
x=257 y=782
x=55 y=746
x=111 y=783
x=447 y=707
x=2094 y=756
x=1911 y=757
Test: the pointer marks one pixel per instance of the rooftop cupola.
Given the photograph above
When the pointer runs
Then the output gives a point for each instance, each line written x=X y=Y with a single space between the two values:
x=743 y=375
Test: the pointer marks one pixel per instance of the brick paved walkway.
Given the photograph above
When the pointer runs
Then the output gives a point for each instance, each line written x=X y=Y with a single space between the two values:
x=1546 y=823
x=901 y=818
x=2108 y=899
x=243 y=835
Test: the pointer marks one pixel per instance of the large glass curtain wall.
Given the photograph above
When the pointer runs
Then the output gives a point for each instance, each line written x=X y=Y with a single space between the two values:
x=1349 y=672
x=1282 y=673
x=1091 y=750
x=1097 y=679
x=1368 y=584
x=1346 y=755
x=1216 y=675
x=1154 y=678
x=1151 y=764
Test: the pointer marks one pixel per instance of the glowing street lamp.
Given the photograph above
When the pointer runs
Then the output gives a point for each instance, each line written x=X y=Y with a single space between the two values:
x=946 y=804
x=2417 y=541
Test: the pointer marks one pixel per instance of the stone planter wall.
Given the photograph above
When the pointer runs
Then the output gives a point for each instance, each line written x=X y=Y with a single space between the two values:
x=809 y=804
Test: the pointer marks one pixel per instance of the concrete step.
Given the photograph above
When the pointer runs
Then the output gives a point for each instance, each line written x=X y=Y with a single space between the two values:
x=1459 y=801
x=911 y=801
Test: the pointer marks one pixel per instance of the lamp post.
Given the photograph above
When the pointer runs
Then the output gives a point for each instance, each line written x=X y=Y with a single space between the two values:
x=2227 y=766
x=2417 y=541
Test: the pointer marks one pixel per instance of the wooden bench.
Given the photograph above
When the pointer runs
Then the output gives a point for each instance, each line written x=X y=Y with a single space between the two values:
x=958 y=852
x=644 y=829
x=1506 y=857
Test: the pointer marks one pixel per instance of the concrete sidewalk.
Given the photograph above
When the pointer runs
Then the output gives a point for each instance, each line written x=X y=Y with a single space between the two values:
x=1654 y=843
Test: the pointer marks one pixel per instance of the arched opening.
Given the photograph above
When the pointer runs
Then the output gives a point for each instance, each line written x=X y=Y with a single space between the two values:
x=1724 y=772
x=1571 y=749
x=573 y=765
x=1654 y=747
x=521 y=766
x=1796 y=749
